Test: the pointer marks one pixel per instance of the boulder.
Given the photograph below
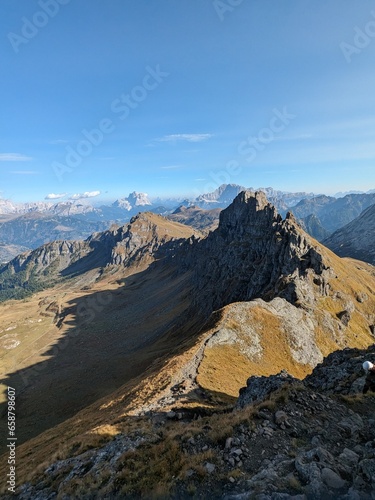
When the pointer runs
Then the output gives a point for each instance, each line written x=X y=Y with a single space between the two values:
x=259 y=388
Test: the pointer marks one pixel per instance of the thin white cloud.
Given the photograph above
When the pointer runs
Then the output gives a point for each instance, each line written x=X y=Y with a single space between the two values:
x=24 y=172
x=86 y=194
x=14 y=157
x=297 y=137
x=59 y=141
x=171 y=167
x=185 y=137
x=53 y=196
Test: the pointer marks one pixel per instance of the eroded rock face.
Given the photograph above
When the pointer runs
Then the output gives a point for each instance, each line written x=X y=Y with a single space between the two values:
x=341 y=372
x=255 y=253
x=147 y=237
x=306 y=445
x=259 y=388
x=143 y=237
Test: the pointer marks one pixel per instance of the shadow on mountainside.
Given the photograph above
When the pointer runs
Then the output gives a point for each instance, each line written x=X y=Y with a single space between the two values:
x=109 y=338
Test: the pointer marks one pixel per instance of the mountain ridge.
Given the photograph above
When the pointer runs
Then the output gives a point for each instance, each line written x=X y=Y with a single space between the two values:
x=185 y=331
x=39 y=223
x=356 y=239
x=144 y=236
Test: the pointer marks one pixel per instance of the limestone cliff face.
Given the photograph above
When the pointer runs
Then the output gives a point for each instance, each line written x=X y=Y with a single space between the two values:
x=255 y=253
x=45 y=255
x=282 y=300
x=147 y=237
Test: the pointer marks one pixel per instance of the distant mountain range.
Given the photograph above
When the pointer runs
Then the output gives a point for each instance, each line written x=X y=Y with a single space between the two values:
x=29 y=225
x=225 y=194
x=334 y=213
x=255 y=295
x=32 y=229
x=356 y=239
x=66 y=208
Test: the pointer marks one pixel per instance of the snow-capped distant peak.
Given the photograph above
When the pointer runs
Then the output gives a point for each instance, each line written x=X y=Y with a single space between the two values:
x=133 y=200
x=138 y=199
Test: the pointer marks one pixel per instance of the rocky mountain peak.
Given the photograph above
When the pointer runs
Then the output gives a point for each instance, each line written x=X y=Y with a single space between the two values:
x=222 y=196
x=248 y=210
x=138 y=199
x=255 y=253
x=147 y=237
x=133 y=201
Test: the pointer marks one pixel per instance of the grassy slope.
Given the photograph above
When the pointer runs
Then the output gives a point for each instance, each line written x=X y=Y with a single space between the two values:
x=354 y=279
x=66 y=347
x=222 y=369
x=151 y=301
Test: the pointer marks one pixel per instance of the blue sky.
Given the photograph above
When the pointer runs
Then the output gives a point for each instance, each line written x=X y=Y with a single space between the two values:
x=174 y=97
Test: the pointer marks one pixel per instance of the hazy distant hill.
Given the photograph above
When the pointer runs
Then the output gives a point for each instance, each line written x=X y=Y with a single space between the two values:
x=356 y=239
x=8 y=252
x=32 y=229
x=204 y=220
x=312 y=225
x=334 y=213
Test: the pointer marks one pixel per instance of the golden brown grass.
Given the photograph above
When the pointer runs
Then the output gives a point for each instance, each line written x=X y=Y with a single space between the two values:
x=225 y=369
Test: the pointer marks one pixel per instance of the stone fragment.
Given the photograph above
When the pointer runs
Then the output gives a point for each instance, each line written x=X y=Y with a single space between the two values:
x=210 y=468
x=332 y=480
x=280 y=417
x=349 y=458
x=367 y=468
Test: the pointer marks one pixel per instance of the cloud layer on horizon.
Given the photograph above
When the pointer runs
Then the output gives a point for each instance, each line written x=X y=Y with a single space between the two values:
x=185 y=137
x=53 y=196
x=86 y=194
x=14 y=157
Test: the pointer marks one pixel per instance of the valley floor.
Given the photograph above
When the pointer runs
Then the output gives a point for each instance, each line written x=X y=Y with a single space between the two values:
x=65 y=350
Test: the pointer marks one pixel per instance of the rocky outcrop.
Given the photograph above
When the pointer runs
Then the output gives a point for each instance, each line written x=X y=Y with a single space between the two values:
x=341 y=372
x=285 y=439
x=34 y=270
x=147 y=237
x=259 y=388
x=356 y=239
x=255 y=253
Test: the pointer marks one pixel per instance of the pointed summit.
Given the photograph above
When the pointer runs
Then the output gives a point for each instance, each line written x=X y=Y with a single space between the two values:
x=255 y=253
x=133 y=201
